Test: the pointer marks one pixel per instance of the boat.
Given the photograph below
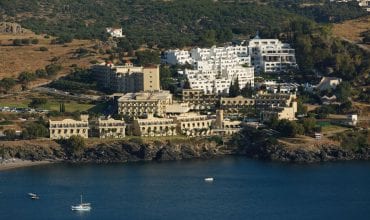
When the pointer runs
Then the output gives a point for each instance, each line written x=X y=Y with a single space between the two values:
x=209 y=179
x=33 y=196
x=81 y=207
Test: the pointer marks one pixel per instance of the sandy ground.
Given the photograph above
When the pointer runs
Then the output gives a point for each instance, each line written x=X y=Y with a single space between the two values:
x=17 y=163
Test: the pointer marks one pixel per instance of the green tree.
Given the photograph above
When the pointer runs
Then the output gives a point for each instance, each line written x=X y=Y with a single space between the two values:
x=147 y=57
x=10 y=134
x=74 y=146
x=62 y=107
x=53 y=69
x=34 y=130
x=25 y=77
x=41 y=73
x=289 y=128
x=234 y=89
x=37 y=102
x=247 y=91
x=208 y=39
x=301 y=108
x=7 y=83
x=309 y=125
x=343 y=91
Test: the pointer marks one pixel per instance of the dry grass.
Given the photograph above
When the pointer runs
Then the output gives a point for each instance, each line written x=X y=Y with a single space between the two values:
x=352 y=29
x=15 y=59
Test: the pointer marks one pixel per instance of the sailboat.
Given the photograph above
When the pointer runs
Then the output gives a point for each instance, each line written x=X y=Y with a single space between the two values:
x=82 y=206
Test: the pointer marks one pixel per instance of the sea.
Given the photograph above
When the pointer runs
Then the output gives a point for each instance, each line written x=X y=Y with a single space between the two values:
x=242 y=189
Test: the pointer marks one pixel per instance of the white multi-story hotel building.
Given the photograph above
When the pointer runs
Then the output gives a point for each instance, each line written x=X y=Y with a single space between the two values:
x=271 y=55
x=174 y=57
x=214 y=69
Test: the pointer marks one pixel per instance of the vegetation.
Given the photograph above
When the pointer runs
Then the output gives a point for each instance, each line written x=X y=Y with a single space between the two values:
x=37 y=102
x=6 y=84
x=34 y=130
x=234 y=89
x=78 y=81
x=74 y=146
x=166 y=23
x=354 y=140
x=147 y=57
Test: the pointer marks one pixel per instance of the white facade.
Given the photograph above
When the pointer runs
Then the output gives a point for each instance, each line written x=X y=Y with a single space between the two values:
x=271 y=55
x=214 y=69
x=362 y=3
x=174 y=57
x=219 y=81
x=115 y=32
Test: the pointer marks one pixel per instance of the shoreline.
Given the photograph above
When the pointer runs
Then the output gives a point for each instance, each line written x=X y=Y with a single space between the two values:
x=18 y=163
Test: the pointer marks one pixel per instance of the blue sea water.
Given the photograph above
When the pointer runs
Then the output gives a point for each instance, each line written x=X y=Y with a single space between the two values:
x=243 y=189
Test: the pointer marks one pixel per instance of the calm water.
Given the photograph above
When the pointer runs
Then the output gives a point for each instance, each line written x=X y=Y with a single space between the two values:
x=243 y=189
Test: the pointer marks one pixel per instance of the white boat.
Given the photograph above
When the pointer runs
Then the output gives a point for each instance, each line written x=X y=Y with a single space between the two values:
x=33 y=196
x=82 y=206
x=209 y=179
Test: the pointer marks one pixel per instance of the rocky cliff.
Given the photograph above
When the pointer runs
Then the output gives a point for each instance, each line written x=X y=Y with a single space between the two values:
x=116 y=151
x=140 y=150
x=318 y=153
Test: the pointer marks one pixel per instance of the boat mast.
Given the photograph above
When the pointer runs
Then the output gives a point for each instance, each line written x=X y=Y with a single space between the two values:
x=81 y=199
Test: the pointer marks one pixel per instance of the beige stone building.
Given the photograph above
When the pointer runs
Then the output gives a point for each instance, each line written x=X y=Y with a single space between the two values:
x=144 y=103
x=280 y=113
x=66 y=128
x=192 y=124
x=224 y=126
x=154 y=127
x=268 y=100
x=127 y=78
x=199 y=100
x=176 y=109
x=281 y=106
x=236 y=106
x=109 y=128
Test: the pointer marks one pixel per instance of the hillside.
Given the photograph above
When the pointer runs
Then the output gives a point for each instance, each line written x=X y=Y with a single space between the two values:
x=29 y=58
x=351 y=30
x=166 y=23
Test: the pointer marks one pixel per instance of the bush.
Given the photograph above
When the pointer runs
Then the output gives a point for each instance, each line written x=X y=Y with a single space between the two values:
x=34 y=41
x=53 y=69
x=26 y=41
x=43 y=49
x=34 y=130
x=7 y=83
x=41 y=73
x=25 y=77
x=10 y=134
x=74 y=146
x=17 y=42
x=355 y=140
x=37 y=102
x=289 y=128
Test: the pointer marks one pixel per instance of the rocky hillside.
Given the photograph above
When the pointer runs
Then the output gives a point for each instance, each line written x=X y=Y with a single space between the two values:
x=115 y=151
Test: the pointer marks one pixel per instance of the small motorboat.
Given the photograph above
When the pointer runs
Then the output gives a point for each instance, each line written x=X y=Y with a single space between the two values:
x=33 y=196
x=82 y=206
x=209 y=179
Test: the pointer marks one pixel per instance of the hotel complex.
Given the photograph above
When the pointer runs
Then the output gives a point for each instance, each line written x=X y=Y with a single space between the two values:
x=203 y=110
